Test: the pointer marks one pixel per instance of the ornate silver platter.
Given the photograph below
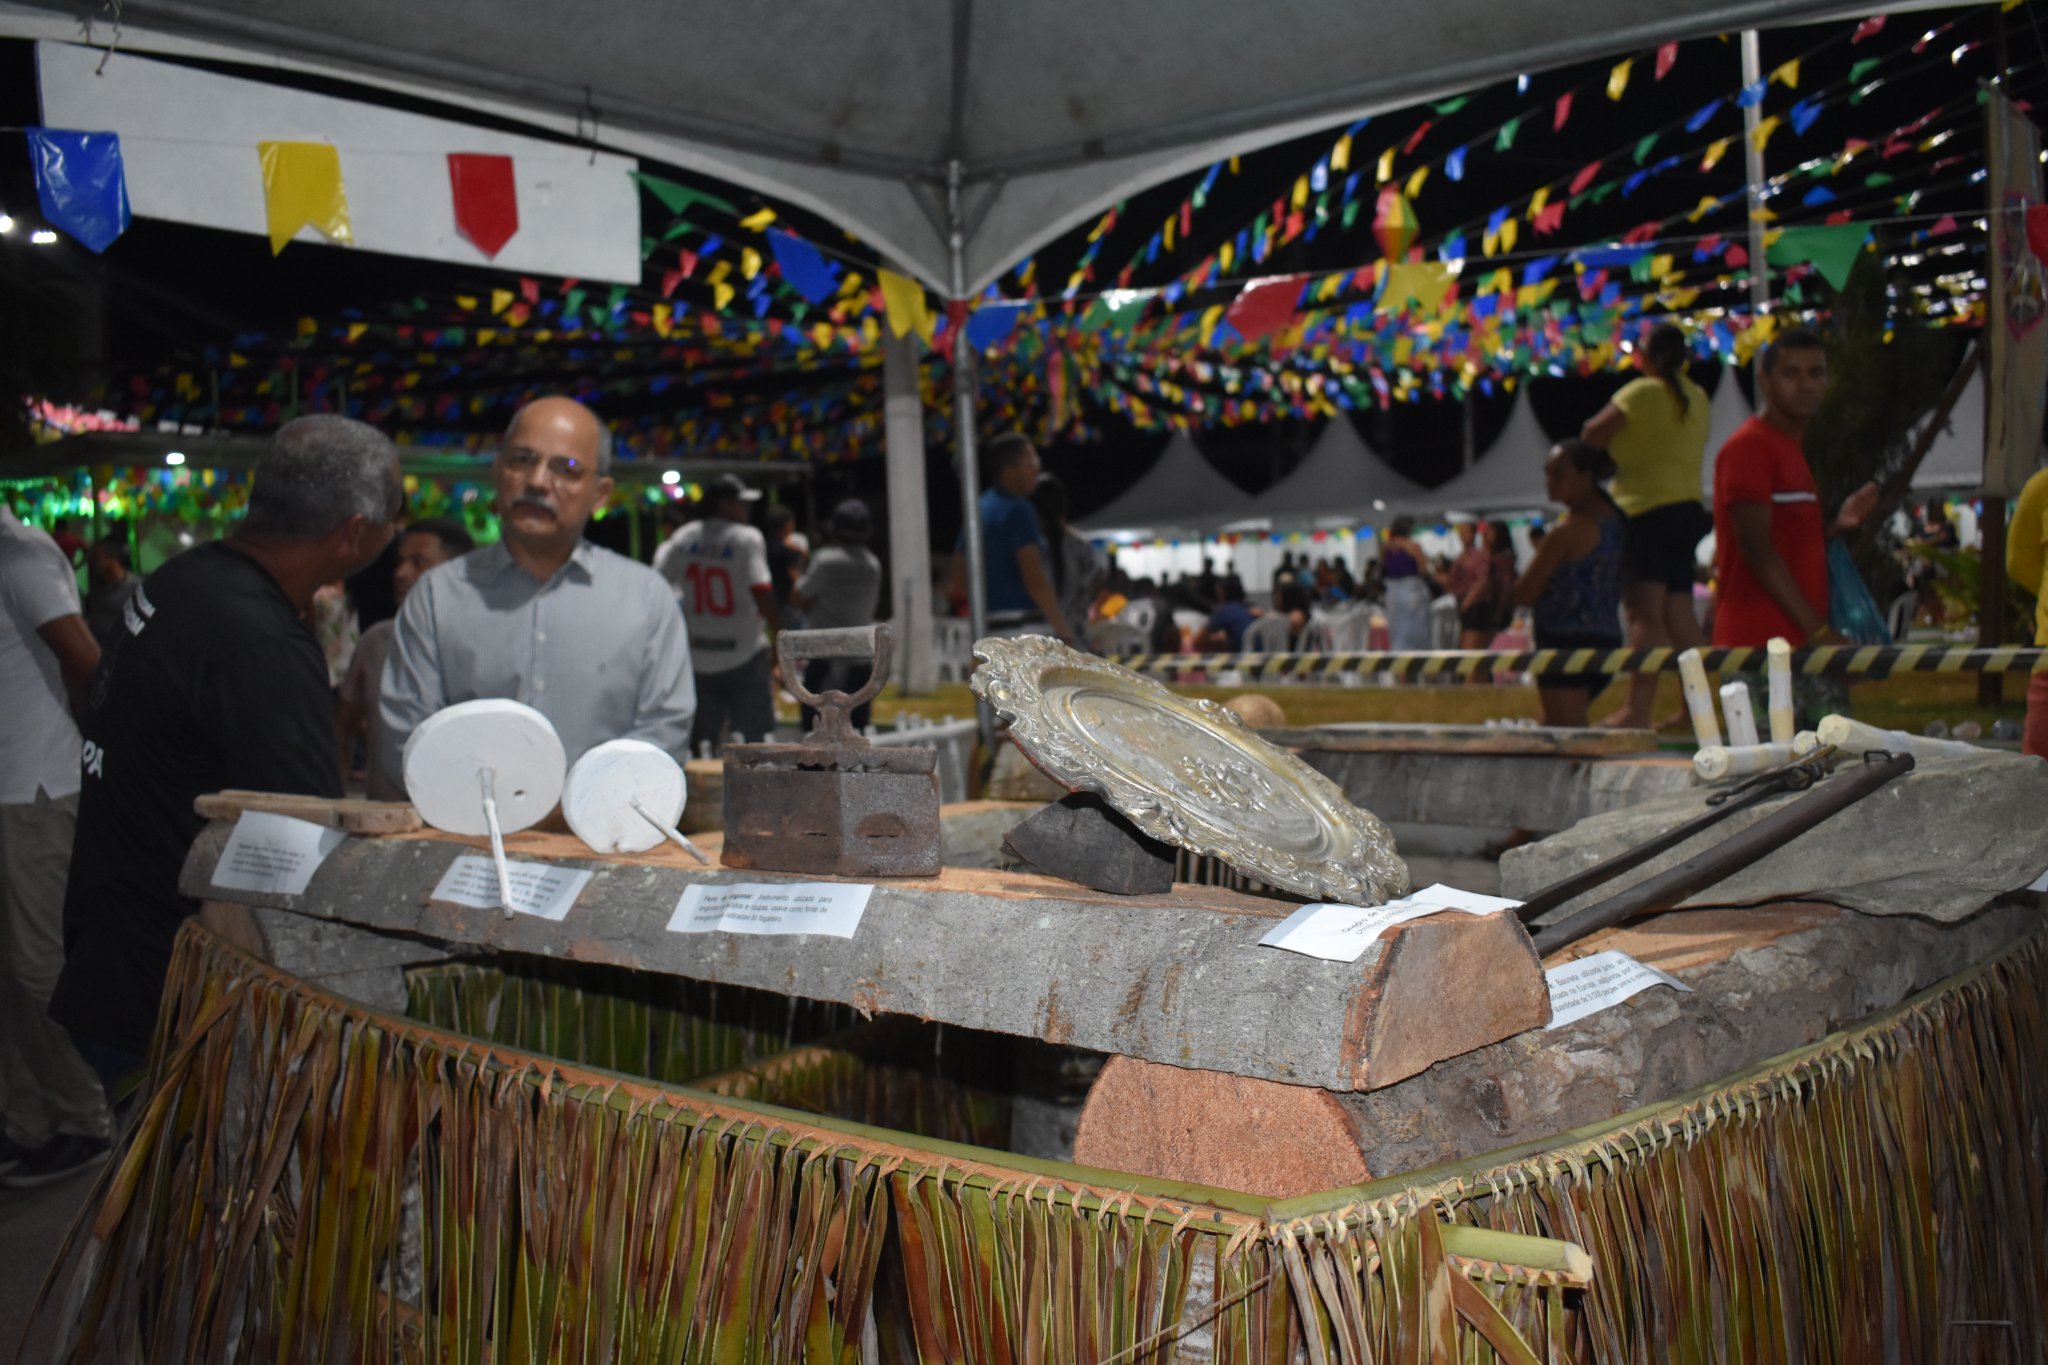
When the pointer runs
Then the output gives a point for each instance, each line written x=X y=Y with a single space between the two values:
x=1186 y=771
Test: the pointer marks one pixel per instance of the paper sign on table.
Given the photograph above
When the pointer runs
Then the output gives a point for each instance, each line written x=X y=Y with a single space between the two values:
x=274 y=853
x=1341 y=933
x=537 y=888
x=1592 y=983
x=830 y=908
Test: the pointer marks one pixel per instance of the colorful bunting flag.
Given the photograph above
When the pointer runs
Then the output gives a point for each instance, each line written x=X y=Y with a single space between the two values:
x=486 y=199
x=302 y=188
x=80 y=184
x=803 y=269
x=1667 y=57
x=1617 y=79
x=1264 y=307
x=903 y=301
x=1394 y=224
x=1832 y=250
x=1561 y=112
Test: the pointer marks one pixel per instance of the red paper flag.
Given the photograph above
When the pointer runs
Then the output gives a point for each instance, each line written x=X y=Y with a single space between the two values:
x=486 y=199
x=1264 y=308
x=1667 y=57
x=2037 y=231
x=1564 y=111
x=1943 y=225
x=1869 y=28
x=1585 y=177
x=529 y=290
x=1415 y=138
x=1550 y=220
x=1735 y=256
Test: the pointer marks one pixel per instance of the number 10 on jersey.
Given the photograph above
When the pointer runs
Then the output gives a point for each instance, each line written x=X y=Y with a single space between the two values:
x=710 y=589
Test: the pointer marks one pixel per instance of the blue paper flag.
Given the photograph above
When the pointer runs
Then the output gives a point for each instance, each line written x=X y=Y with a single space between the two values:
x=1454 y=164
x=1536 y=270
x=1702 y=115
x=990 y=324
x=80 y=184
x=802 y=267
x=1751 y=96
x=1802 y=115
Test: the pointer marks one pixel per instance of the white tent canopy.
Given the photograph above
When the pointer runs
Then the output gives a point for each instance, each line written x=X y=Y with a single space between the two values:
x=1956 y=459
x=1341 y=481
x=1043 y=111
x=1728 y=411
x=1180 y=492
x=1508 y=477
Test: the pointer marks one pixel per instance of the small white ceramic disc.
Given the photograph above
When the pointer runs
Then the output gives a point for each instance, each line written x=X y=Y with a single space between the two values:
x=606 y=782
x=445 y=754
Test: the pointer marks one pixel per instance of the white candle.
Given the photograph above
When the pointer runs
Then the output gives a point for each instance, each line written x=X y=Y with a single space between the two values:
x=1692 y=673
x=1854 y=737
x=1778 y=661
x=1717 y=761
x=1736 y=710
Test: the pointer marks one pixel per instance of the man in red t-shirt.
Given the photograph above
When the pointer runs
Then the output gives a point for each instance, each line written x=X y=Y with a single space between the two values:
x=1771 y=554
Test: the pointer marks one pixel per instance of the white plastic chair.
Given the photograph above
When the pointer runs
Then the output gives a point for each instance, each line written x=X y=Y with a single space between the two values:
x=952 y=648
x=1266 y=635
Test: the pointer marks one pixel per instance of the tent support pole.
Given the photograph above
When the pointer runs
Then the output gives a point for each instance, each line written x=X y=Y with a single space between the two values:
x=1753 y=167
x=963 y=432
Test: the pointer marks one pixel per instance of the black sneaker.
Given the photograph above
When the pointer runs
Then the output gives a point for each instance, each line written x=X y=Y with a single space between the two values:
x=60 y=1158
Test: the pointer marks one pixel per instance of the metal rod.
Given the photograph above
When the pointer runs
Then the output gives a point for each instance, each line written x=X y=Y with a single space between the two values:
x=1795 y=776
x=1731 y=855
x=669 y=831
x=485 y=778
x=963 y=434
x=1753 y=166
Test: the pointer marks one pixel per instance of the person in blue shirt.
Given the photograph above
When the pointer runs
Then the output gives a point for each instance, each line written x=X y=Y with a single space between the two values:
x=1224 y=631
x=1021 y=596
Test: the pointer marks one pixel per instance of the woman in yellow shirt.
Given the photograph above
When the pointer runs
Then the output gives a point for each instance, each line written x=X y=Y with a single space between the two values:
x=2026 y=563
x=1656 y=430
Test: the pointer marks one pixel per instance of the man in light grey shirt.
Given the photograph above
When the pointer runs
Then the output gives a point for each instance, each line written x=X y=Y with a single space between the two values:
x=590 y=639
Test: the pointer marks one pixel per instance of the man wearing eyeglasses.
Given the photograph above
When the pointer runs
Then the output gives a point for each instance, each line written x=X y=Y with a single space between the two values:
x=588 y=638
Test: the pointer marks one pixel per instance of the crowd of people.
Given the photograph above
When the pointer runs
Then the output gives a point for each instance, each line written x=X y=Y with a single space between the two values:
x=239 y=664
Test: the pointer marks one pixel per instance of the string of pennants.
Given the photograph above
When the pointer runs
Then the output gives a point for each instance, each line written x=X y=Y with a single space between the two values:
x=771 y=338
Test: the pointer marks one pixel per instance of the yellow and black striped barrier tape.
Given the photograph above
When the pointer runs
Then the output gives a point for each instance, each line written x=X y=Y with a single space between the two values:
x=1452 y=665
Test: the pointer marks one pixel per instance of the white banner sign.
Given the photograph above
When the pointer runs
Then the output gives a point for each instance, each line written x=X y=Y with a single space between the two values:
x=1341 y=933
x=188 y=149
x=1593 y=983
x=274 y=853
x=537 y=888
x=829 y=908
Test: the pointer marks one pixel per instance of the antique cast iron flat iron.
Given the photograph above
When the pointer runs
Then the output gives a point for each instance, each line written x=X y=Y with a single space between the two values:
x=832 y=802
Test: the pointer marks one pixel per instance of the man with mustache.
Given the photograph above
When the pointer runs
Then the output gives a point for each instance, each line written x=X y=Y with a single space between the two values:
x=590 y=639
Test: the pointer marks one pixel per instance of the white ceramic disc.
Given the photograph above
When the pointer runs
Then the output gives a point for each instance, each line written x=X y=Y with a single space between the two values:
x=606 y=782
x=521 y=749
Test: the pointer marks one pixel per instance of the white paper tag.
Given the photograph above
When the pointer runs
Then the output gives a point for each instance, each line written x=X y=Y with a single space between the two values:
x=1591 y=984
x=537 y=888
x=829 y=908
x=1341 y=933
x=277 y=854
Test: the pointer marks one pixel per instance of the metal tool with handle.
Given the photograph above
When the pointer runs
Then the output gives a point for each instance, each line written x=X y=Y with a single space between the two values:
x=795 y=648
x=1731 y=855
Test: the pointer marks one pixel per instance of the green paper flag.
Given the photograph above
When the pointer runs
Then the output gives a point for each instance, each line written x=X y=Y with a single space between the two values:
x=1833 y=250
x=1505 y=139
x=1862 y=69
x=678 y=198
x=1451 y=106
x=1644 y=147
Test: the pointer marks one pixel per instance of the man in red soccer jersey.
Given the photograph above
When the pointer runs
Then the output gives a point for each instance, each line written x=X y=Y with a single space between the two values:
x=1771 y=554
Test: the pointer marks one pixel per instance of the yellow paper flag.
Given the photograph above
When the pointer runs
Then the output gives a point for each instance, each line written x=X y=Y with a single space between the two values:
x=904 y=302
x=302 y=187
x=754 y=222
x=1761 y=136
x=1617 y=79
x=501 y=299
x=1415 y=181
x=1426 y=282
x=1386 y=172
x=721 y=295
x=1538 y=202
x=1300 y=191
x=1714 y=155
x=750 y=261
x=1788 y=74
x=1340 y=155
